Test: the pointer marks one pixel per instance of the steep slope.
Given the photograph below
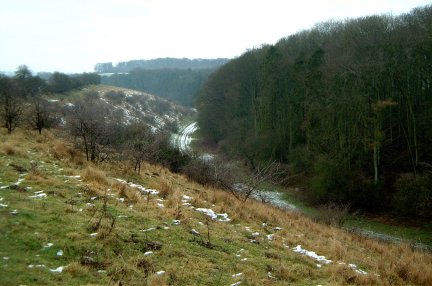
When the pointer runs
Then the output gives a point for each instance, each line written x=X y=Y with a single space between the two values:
x=65 y=222
x=134 y=106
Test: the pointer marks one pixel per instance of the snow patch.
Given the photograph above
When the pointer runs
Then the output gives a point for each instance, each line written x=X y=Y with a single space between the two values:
x=218 y=217
x=39 y=195
x=58 y=269
x=311 y=254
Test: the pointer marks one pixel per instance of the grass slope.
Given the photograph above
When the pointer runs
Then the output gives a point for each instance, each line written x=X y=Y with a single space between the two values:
x=65 y=222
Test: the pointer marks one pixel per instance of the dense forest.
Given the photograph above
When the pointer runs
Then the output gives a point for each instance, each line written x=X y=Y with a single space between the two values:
x=179 y=85
x=345 y=104
x=161 y=63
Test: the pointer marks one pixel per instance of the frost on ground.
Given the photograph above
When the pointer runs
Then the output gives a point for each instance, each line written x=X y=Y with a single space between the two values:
x=218 y=217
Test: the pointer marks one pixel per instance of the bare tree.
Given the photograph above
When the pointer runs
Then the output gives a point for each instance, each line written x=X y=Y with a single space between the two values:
x=87 y=121
x=39 y=113
x=137 y=144
x=11 y=107
x=255 y=183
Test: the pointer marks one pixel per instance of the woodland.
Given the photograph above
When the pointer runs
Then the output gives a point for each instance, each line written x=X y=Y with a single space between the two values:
x=346 y=105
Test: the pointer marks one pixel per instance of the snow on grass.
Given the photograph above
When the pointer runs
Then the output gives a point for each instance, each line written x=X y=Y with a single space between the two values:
x=93 y=234
x=38 y=195
x=4 y=205
x=186 y=198
x=147 y=253
x=324 y=260
x=160 y=273
x=218 y=217
x=73 y=177
x=48 y=245
x=270 y=237
x=14 y=212
x=36 y=266
x=237 y=275
x=60 y=253
x=142 y=189
x=312 y=254
x=19 y=181
x=236 y=284
x=148 y=229
x=354 y=267
x=58 y=269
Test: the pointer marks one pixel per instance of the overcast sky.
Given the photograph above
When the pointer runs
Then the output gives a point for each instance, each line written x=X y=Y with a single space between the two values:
x=74 y=35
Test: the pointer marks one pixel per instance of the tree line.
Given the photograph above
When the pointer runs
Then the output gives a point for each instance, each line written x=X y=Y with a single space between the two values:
x=179 y=85
x=23 y=96
x=346 y=104
x=160 y=63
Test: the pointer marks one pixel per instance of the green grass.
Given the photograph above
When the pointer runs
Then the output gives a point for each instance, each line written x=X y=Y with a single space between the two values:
x=67 y=217
x=422 y=234
x=416 y=234
x=57 y=219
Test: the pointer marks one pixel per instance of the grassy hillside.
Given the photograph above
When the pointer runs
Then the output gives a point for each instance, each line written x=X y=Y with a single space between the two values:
x=66 y=222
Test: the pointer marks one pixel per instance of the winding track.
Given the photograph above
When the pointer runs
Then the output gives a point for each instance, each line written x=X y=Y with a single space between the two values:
x=185 y=137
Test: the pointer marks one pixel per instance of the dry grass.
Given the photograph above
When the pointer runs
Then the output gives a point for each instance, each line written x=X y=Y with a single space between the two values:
x=164 y=188
x=76 y=269
x=39 y=177
x=123 y=191
x=10 y=150
x=95 y=176
x=387 y=264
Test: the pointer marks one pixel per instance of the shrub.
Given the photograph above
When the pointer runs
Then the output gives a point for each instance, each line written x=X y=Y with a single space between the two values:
x=199 y=171
x=333 y=214
x=413 y=195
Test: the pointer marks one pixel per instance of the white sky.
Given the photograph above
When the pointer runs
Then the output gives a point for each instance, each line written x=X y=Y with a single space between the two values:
x=74 y=35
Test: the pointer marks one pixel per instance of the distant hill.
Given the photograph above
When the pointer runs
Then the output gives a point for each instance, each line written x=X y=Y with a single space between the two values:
x=160 y=63
x=174 y=84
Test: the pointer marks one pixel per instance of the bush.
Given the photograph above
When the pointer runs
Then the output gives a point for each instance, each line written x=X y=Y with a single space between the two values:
x=413 y=195
x=198 y=171
x=332 y=214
